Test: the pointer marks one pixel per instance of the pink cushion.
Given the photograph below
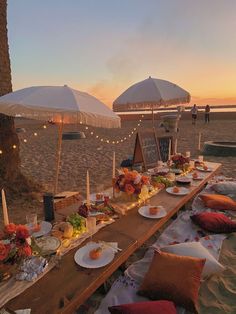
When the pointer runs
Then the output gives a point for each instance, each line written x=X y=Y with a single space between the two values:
x=214 y=222
x=149 y=307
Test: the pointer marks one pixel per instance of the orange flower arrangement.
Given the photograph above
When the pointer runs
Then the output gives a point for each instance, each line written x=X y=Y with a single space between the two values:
x=130 y=182
x=14 y=243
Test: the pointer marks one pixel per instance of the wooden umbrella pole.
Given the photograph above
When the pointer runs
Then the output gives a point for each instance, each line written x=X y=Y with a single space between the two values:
x=152 y=116
x=58 y=158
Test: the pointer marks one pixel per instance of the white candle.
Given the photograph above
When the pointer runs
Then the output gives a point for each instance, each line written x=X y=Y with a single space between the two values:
x=176 y=144
x=199 y=140
x=114 y=165
x=169 y=152
x=4 y=208
x=88 y=189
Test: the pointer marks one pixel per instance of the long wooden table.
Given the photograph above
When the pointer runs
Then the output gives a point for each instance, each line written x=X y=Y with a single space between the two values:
x=64 y=289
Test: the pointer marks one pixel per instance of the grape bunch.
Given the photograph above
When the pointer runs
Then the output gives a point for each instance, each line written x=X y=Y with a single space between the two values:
x=83 y=211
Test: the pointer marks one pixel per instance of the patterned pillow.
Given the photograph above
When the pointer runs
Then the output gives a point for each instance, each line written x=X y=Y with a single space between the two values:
x=174 y=278
x=225 y=187
x=196 y=249
x=150 y=307
x=214 y=222
x=216 y=201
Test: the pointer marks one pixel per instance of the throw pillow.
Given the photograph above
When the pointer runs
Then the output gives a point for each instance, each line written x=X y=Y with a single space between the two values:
x=150 y=307
x=216 y=201
x=196 y=249
x=225 y=187
x=214 y=222
x=174 y=278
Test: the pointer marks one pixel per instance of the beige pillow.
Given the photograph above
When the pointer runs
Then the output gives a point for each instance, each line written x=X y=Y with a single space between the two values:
x=196 y=249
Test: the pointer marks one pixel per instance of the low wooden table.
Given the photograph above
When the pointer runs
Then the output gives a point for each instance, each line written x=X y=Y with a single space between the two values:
x=65 y=289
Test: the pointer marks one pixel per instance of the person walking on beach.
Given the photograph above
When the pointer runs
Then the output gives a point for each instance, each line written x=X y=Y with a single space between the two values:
x=194 y=114
x=207 y=114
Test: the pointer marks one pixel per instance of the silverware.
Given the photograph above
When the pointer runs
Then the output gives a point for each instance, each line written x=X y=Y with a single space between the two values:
x=111 y=246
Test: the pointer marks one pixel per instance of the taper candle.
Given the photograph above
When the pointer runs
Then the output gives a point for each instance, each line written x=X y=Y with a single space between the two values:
x=169 y=152
x=88 y=189
x=4 y=208
x=114 y=165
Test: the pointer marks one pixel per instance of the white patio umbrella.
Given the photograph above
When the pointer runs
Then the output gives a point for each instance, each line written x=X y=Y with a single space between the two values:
x=151 y=94
x=58 y=103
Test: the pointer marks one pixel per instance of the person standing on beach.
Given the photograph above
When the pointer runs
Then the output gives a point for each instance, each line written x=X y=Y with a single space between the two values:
x=207 y=114
x=194 y=114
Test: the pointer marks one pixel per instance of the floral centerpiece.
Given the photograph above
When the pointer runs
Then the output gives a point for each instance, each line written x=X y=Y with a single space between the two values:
x=179 y=161
x=130 y=183
x=15 y=243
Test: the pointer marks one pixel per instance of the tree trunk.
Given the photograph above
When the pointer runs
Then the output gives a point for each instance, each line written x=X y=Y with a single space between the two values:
x=9 y=142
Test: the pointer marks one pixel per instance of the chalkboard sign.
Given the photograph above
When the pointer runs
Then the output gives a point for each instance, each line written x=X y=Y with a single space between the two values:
x=165 y=143
x=146 y=149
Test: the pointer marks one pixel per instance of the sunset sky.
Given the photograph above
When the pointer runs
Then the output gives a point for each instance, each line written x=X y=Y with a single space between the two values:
x=104 y=46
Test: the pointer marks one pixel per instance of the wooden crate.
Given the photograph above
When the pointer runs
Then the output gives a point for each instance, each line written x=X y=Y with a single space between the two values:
x=65 y=206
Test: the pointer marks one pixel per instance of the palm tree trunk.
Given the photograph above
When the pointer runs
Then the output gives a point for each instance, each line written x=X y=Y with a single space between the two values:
x=9 y=142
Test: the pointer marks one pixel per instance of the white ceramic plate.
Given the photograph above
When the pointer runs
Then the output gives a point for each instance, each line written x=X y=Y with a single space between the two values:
x=94 y=199
x=182 y=191
x=176 y=171
x=82 y=256
x=48 y=244
x=183 y=179
x=205 y=170
x=199 y=177
x=45 y=228
x=144 y=211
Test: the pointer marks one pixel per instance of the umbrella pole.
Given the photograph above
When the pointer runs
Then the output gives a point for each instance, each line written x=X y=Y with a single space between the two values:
x=58 y=158
x=153 y=117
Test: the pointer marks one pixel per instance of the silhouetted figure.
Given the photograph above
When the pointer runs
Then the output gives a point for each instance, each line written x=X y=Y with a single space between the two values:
x=207 y=114
x=194 y=114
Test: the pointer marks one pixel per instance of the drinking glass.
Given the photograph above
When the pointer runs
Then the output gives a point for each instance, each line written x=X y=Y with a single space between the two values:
x=91 y=226
x=200 y=158
x=188 y=154
x=31 y=220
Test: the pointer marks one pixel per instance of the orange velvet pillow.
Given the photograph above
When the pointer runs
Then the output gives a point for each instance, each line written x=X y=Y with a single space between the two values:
x=216 y=201
x=174 y=278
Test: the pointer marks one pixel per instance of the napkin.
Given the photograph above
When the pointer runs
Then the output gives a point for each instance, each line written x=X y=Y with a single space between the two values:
x=112 y=245
x=25 y=311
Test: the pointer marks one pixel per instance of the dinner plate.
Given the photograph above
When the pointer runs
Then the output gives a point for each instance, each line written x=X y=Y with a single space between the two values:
x=199 y=177
x=144 y=211
x=176 y=171
x=45 y=228
x=183 y=180
x=204 y=170
x=182 y=191
x=48 y=244
x=94 y=199
x=82 y=256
